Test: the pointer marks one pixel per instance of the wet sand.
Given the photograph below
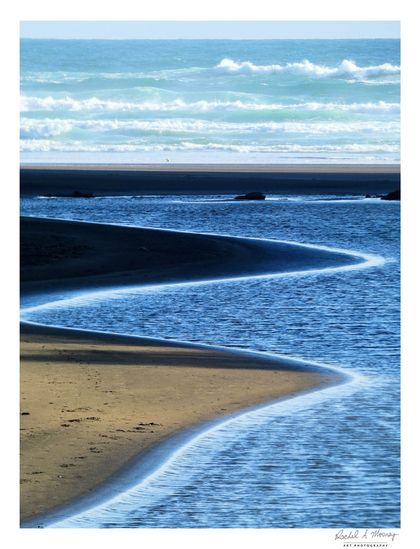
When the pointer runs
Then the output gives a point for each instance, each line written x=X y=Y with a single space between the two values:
x=93 y=404
x=64 y=255
x=90 y=402
x=144 y=179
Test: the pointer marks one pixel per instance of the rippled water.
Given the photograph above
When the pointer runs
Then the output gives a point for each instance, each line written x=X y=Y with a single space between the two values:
x=326 y=460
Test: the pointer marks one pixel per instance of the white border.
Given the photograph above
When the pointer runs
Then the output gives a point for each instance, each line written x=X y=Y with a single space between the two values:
x=214 y=10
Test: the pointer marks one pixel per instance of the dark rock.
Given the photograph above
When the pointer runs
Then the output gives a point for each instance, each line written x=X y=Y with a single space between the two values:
x=78 y=194
x=74 y=194
x=25 y=414
x=251 y=196
x=393 y=195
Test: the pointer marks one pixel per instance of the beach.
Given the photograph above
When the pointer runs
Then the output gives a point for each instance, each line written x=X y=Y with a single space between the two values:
x=191 y=358
x=151 y=179
x=90 y=402
x=96 y=403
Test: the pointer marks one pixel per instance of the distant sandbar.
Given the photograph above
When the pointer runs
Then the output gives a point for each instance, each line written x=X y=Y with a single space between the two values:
x=122 y=179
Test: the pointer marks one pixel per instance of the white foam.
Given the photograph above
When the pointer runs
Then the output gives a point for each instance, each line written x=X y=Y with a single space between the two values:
x=346 y=68
x=213 y=435
x=366 y=261
x=48 y=145
x=68 y=103
x=258 y=413
x=34 y=128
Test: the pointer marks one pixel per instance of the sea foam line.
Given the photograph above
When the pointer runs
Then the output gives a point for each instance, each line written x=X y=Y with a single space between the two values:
x=194 y=436
x=205 y=433
x=50 y=145
x=33 y=103
x=83 y=296
x=34 y=128
x=346 y=68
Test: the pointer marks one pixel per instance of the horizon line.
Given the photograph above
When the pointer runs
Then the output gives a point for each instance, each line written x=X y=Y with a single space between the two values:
x=209 y=39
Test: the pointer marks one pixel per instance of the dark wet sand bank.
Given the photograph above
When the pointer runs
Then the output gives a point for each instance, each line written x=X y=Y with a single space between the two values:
x=209 y=179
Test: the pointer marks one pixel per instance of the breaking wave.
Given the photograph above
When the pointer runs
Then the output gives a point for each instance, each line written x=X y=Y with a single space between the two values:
x=69 y=103
x=31 y=128
x=346 y=68
x=293 y=96
x=38 y=145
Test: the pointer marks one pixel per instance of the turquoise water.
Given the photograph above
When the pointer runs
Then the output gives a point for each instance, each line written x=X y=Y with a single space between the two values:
x=271 y=101
x=330 y=459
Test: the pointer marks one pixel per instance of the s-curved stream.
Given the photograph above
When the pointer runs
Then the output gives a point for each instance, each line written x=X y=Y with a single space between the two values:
x=323 y=459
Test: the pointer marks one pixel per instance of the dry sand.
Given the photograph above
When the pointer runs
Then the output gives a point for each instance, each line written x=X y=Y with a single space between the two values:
x=91 y=402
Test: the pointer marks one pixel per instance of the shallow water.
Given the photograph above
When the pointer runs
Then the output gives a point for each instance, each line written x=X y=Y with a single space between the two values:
x=326 y=460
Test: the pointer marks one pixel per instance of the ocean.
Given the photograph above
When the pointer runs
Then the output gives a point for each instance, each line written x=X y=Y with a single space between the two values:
x=210 y=101
x=330 y=459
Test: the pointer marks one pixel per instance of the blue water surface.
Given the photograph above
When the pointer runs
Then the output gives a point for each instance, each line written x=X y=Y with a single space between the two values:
x=316 y=101
x=326 y=460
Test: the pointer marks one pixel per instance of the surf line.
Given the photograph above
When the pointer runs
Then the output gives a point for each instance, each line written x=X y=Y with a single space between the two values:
x=150 y=464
